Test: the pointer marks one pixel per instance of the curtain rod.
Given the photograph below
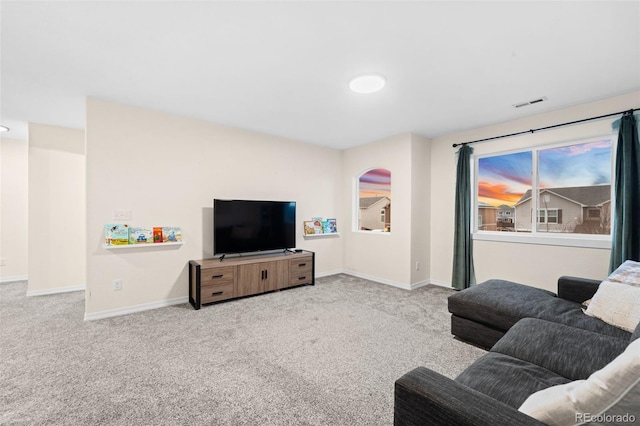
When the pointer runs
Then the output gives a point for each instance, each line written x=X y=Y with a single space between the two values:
x=547 y=128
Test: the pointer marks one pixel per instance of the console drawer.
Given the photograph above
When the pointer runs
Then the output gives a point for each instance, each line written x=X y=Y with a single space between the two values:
x=215 y=293
x=300 y=278
x=216 y=276
x=300 y=265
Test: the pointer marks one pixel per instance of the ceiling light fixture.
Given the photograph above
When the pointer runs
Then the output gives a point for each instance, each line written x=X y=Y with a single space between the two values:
x=4 y=129
x=367 y=83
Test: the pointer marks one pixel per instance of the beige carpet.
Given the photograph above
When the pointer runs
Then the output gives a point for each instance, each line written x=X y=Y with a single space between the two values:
x=318 y=355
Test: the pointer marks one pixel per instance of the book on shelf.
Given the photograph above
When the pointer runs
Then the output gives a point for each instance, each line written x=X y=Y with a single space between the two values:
x=157 y=234
x=116 y=234
x=317 y=225
x=139 y=235
x=330 y=226
x=171 y=234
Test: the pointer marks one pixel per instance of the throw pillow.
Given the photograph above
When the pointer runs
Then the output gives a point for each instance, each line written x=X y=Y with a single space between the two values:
x=609 y=395
x=627 y=273
x=616 y=304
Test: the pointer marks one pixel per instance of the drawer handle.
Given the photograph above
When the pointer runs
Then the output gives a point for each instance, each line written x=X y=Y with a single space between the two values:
x=302 y=278
x=302 y=264
x=217 y=276
x=217 y=293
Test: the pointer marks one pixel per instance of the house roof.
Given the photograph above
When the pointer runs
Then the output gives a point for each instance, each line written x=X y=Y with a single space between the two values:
x=583 y=195
x=367 y=202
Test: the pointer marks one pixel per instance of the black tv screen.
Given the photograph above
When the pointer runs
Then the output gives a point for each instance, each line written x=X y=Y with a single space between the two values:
x=242 y=226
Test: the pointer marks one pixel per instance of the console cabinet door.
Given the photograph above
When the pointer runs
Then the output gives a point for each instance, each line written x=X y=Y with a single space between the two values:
x=278 y=275
x=250 y=279
x=257 y=278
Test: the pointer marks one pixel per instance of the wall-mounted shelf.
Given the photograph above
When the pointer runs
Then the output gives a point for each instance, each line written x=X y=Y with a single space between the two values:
x=335 y=234
x=154 y=245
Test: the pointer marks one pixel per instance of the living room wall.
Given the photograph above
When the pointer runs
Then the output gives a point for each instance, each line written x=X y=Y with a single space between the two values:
x=166 y=170
x=390 y=257
x=14 y=158
x=56 y=237
x=536 y=265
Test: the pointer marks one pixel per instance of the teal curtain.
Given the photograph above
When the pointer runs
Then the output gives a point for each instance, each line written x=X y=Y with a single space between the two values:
x=625 y=236
x=463 y=274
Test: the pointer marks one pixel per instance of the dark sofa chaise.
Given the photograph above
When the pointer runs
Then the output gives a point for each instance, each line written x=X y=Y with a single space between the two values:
x=537 y=339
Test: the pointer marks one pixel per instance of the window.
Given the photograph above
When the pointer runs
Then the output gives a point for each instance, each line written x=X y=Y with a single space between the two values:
x=549 y=215
x=374 y=201
x=559 y=189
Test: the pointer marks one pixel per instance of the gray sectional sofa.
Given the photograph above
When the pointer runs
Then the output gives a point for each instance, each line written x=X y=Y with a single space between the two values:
x=536 y=339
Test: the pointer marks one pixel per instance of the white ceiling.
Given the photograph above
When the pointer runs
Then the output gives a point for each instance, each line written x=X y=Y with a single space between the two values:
x=283 y=67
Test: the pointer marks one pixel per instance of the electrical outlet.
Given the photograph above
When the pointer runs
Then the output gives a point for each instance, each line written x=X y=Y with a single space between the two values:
x=117 y=284
x=417 y=266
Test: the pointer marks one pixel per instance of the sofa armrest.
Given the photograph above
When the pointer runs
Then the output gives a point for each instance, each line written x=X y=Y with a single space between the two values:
x=424 y=397
x=577 y=289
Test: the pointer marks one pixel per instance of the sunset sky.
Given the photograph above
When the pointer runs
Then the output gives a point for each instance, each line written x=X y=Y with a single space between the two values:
x=375 y=183
x=502 y=179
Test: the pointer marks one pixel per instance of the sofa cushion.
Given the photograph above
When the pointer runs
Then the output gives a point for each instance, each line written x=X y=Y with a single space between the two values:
x=498 y=303
x=570 y=352
x=607 y=395
x=501 y=304
x=509 y=380
x=616 y=304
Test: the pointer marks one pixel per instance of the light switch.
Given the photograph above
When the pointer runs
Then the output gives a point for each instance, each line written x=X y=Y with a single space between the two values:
x=122 y=215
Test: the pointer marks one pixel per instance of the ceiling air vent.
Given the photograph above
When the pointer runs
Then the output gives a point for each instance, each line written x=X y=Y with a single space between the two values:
x=535 y=101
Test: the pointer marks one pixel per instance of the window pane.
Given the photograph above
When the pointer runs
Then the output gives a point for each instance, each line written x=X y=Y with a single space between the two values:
x=574 y=184
x=503 y=180
x=374 y=201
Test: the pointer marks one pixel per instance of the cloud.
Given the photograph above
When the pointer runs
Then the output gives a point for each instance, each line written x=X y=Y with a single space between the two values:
x=585 y=147
x=502 y=193
x=378 y=176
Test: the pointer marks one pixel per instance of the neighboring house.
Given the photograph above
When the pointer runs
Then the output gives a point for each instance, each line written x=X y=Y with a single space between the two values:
x=506 y=217
x=580 y=209
x=375 y=214
x=486 y=217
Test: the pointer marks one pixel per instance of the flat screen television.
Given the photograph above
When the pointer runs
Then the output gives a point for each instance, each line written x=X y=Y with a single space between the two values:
x=243 y=226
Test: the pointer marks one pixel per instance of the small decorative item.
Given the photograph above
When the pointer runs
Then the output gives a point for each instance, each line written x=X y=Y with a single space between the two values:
x=171 y=234
x=116 y=234
x=157 y=234
x=330 y=226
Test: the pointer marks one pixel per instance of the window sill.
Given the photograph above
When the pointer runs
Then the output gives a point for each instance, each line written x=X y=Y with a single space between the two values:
x=588 y=241
x=372 y=232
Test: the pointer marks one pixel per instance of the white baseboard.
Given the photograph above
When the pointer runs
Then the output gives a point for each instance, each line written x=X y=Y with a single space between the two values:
x=55 y=290
x=403 y=286
x=133 y=309
x=14 y=278
x=441 y=284
x=329 y=273
x=419 y=284
x=164 y=303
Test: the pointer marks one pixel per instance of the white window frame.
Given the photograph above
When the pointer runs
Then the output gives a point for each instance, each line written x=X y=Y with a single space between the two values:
x=535 y=236
x=355 y=225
